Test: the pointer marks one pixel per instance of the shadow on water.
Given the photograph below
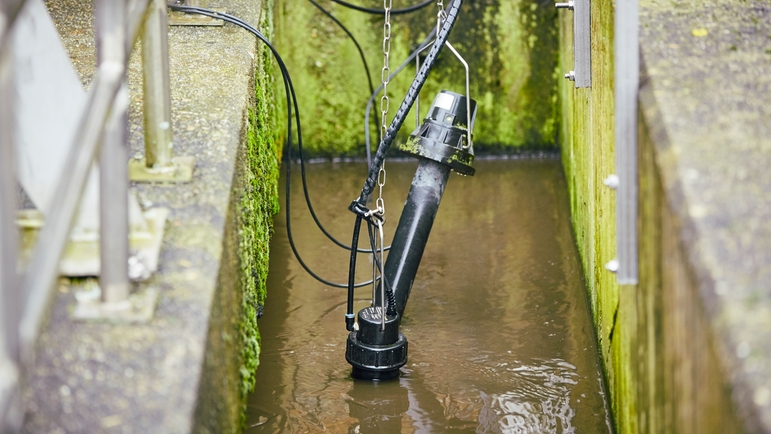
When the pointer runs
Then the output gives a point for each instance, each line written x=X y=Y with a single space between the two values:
x=500 y=335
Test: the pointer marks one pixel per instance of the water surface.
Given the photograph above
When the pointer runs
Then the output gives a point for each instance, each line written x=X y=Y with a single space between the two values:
x=497 y=322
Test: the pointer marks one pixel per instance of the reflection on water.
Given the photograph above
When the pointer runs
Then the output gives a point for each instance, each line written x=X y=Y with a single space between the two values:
x=539 y=402
x=499 y=331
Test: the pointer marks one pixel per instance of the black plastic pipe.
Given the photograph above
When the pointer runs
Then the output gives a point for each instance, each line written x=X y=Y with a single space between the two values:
x=414 y=227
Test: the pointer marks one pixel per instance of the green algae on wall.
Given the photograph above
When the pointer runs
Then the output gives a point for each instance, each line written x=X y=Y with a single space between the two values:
x=656 y=342
x=510 y=46
x=259 y=204
x=587 y=146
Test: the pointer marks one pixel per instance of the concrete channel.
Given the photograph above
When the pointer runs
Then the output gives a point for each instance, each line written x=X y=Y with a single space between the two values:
x=501 y=348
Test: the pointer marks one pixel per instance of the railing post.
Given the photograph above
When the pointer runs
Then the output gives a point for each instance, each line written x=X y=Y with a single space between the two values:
x=117 y=302
x=113 y=203
x=113 y=174
x=11 y=299
x=159 y=163
x=156 y=87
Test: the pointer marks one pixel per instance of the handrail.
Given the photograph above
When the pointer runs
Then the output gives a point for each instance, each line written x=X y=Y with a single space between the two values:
x=9 y=348
x=8 y=239
x=102 y=122
x=54 y=235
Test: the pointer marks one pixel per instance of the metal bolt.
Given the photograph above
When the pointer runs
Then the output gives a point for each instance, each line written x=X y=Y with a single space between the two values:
x=612 y=266
x=571 y=76
x=568 y=5
x=611 y=181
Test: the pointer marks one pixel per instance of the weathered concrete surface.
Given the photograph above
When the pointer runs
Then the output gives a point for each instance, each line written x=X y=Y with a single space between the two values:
x=189 y=369
x=511 y=48
x=707 y=103
x=687 y=349
x=586 y=141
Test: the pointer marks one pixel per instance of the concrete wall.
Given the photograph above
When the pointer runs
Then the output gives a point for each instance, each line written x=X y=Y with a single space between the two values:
x=586 y=138
x=191 y=367
x=509 y=45
x=684 y=350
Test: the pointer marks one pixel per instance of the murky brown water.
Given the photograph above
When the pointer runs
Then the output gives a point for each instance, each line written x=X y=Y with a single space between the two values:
x=499 y=329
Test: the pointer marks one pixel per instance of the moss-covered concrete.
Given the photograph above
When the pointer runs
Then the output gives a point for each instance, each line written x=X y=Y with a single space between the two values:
x=686 y=349
x=586 y=138
x=190 y=368
x=259 y=204
x=509 y=45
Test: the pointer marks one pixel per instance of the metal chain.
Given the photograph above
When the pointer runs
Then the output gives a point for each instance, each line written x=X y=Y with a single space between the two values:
x=440 y=15
x=385 y=74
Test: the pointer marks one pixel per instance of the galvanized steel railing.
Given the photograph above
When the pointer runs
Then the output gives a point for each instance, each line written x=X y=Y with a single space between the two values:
x=102 y=131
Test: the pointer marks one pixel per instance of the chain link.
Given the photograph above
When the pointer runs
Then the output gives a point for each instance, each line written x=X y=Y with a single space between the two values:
x=385 y=102
x=440 y=15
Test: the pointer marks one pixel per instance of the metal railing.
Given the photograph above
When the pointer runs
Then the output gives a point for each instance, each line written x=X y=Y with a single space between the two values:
x=102 y=131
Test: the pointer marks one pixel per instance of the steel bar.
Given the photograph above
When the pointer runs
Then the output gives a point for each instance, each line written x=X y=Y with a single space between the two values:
x=113 y=203
x=136 y=12
x=9 y=291
x=469 y=127
x=54 y=235
x=10 y=297
x=113 y=174
x=156 y=88
x=582 y=40
x=627 y=79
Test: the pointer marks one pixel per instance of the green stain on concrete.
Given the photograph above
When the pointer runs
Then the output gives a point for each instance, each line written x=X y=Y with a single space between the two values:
x=259 y=204
x=510 y=46
x=587 y=146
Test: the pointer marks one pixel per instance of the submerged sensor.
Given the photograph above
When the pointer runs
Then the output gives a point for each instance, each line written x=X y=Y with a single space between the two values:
x=377 y=349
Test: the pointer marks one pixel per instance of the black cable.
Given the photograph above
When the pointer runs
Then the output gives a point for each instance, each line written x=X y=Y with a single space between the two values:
x=291 y=101
x=300 y=146
x=359 y=204
x=349 y=317
x=390 y=296
x=382 y=11
x=355 y=42
x=235 y=20
x=373 y=95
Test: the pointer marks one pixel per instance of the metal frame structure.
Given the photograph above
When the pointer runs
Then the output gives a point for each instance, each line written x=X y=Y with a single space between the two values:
x=102 y=131
x=625 y=181
x=581 y=74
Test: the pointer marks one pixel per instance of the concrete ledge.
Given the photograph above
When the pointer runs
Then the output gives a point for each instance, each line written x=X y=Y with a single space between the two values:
x=687 y=349
x=706 y=102
x=187 y=370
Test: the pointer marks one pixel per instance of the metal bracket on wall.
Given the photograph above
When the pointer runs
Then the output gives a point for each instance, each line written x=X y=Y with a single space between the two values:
x=581 y=74
x=625 y=181
x=183 y=19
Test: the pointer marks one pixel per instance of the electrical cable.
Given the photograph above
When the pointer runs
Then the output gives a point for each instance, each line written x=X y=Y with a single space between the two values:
x=291 y=102
x=355 y=42
x=349 y=316
x=235 y=20
x=374 y=94
x=302 y=160
x=382 y=11
x=359 y=205
x=390 y=296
